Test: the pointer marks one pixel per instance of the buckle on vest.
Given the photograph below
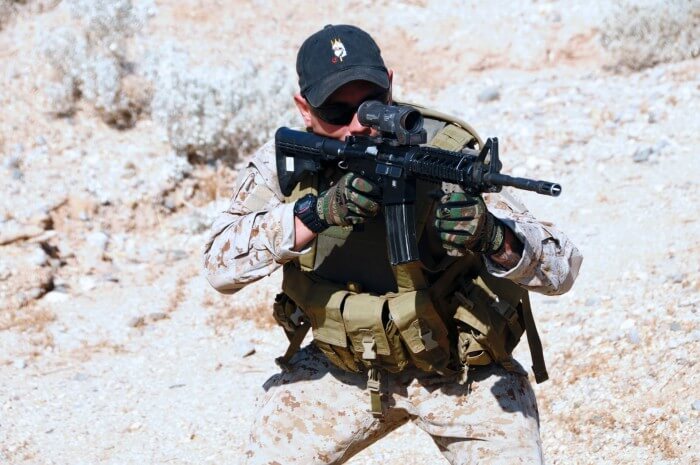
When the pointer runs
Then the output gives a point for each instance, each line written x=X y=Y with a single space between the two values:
x=374 y=385
x=426 y=335
x=297 y=316
x=509 y=314
x=368 y=345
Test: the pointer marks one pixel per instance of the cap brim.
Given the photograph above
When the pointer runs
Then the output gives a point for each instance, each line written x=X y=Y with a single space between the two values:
x=321 y=91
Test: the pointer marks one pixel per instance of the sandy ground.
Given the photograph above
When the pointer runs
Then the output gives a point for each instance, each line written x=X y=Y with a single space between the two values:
x=114 y=349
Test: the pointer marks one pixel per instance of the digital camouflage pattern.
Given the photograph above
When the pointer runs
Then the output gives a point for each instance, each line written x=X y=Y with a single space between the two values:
x=317 y=414
x=349 y=201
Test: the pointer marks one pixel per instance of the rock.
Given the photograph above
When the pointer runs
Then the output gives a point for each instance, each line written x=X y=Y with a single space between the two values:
x=12 y=162
x=98 y=241
x=696 y=405
x=80 y=377
x=661 y=145
x=87 y=283
x=642 y=154
x=137 y=322
x=243 y=349
x=677 y=278
x=676 y=326
x=156 y=316
x=134 y=427
x=19 y=364
x=82 y=207
x=13 y=231
x=178 y=254
x=55 y=297
x=5 y=272
x=633 y=336
x=38 y=257
x=489 y=94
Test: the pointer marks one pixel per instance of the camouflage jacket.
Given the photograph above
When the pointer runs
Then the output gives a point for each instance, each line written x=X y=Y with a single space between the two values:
x=255 y=236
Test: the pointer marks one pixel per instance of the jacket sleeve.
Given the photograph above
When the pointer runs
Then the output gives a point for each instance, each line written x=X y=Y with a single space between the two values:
x=255 y=235
x=550 y=261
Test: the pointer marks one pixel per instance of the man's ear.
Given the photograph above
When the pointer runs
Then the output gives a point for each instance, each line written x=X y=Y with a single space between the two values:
x=304 y=109
x=390 y=72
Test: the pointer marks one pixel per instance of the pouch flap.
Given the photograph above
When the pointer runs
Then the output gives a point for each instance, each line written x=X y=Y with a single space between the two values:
x=362 y=314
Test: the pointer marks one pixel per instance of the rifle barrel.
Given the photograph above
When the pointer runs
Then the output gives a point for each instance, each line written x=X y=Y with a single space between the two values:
x=541 y=187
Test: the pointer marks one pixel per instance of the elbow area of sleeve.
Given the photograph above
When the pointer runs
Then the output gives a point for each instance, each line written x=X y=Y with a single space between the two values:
x=223 y=284
x=532 y=250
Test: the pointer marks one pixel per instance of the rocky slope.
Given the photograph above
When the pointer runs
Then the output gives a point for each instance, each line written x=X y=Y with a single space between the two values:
x=113 y=348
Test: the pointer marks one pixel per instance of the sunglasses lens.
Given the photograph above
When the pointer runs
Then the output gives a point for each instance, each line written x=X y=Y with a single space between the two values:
x=338 y=114
x=341 y=114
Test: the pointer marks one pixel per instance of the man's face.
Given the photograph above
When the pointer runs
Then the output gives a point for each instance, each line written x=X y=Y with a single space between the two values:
x=352 y=94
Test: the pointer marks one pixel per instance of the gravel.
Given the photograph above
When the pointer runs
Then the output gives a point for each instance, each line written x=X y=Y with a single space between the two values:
x=119 y=341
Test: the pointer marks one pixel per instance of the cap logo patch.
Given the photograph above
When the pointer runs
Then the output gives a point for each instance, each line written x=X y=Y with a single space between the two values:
x=338 y=50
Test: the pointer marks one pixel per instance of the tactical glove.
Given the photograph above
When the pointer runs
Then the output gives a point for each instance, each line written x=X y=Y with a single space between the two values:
x=464 y=224
x=351 y=200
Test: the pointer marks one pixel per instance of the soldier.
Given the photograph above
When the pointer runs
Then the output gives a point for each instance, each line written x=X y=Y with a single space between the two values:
x=429 y=342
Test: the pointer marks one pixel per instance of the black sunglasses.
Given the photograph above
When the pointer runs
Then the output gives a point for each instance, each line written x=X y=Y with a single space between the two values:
x=341 y=114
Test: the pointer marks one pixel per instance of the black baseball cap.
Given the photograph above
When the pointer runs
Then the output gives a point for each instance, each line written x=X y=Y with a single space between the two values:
x=334 y=56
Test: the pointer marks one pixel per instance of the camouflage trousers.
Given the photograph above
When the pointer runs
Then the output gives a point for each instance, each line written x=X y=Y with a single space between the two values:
x=318 y=414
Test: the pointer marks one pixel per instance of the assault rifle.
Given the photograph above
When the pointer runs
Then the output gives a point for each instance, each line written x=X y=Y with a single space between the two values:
x=395 y=159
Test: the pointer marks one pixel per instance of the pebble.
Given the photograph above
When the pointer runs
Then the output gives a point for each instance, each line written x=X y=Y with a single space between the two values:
x=633 y=336
x=156 y=316
x=243 y=349
x=5 y=272
x=19 y=363
x=642 y=154
x=80 y=377
x=55 y=297
x=489 y=94
x=87 y=283
x=696 y=405
x=137 y=322
x=11 y=162
x=98 y=240
x=38 y=257
x=134 y=427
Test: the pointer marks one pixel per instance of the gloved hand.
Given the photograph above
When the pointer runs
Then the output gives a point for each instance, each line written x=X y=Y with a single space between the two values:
x=464 y=224
x=351 y=200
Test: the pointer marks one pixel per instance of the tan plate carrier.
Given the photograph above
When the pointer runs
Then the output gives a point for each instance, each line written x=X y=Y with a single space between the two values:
x=465 y=317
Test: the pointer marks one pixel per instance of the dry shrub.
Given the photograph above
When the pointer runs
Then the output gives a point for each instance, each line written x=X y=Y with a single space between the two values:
x=640 y=35
x=90 y=61
x=218 y=112
x=7 y=11
x=208 y=112
x=29 y=318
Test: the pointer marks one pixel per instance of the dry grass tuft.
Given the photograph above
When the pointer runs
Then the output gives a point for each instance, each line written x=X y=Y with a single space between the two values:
x=640 y=35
